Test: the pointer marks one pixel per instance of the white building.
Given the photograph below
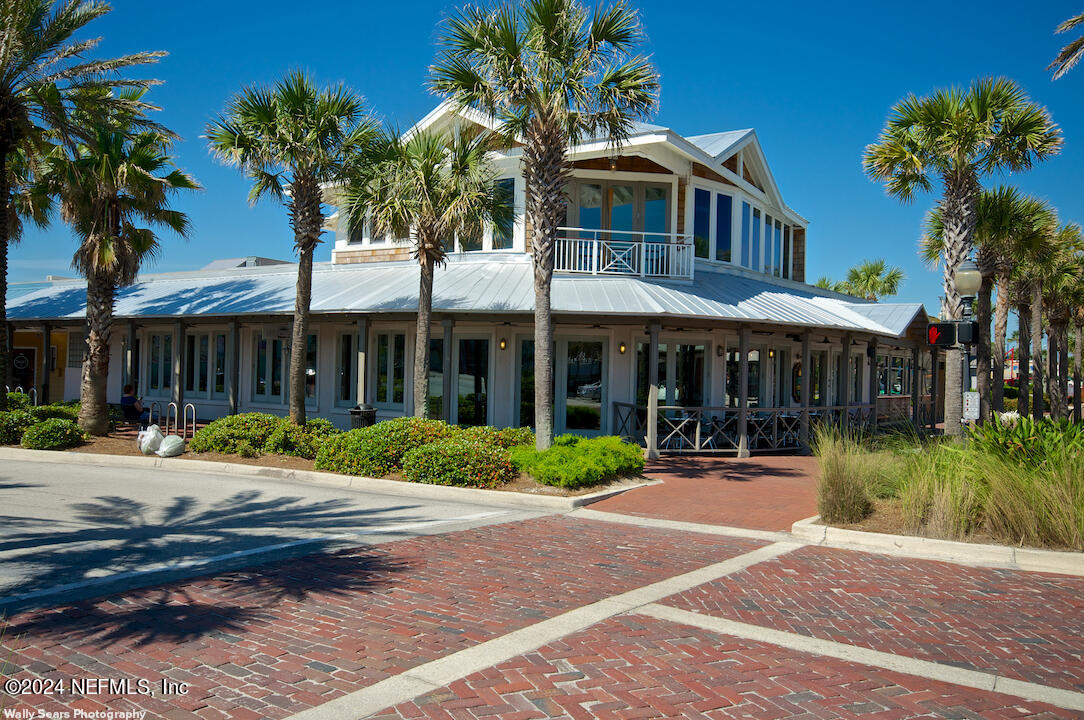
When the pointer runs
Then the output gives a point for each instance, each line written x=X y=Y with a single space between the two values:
x=679 y=254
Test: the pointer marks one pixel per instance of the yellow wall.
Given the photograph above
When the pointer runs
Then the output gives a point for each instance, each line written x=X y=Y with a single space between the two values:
x=33 y=339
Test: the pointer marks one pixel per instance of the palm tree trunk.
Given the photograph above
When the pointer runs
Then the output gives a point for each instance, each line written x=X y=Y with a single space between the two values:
x=300 y=336
x=982 y=348
x=958 y=215
x=1001 y=324
x=1077 y=375
x=1063 y=369
x=545 y=172
x=94 y=404
x=5 y=351
x=1057 y=380
x=421 y=343
x=1038 y=403
x=1023 y=348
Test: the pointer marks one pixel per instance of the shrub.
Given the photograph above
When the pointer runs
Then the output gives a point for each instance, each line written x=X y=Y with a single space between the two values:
x=1011 y=392
x=300 y=441
x=379 y=450
x=575 y=462
x=1011 y=404
x=225 y=434
x=13 y=423
x=56 y=410
x=841 y=491
x=459 y=461
x=1026 y=441
x=505 y=437
x=18 y=401
x=53 y=434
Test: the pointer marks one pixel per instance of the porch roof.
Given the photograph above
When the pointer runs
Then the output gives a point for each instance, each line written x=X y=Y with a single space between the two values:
x=475 y=283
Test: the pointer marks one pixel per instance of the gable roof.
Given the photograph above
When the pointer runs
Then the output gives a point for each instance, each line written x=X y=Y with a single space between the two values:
x=722 y=145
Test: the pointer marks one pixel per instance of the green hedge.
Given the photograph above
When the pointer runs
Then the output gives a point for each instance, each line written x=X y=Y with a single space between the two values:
x=18 y=401
x=13 y=423
x=575 y=462
x=53 y=434
x=245 y=434
x=300 y=441
x=379 y=450
x=66 y=411
x=459 y=461
x=505 y=437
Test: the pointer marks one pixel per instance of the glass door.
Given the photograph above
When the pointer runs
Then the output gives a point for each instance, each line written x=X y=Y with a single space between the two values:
x=472 y=382
x=584 y=386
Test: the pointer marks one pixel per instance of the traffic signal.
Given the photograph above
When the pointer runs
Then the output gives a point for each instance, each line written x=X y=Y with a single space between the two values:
x=941 y=334
x=967 y=333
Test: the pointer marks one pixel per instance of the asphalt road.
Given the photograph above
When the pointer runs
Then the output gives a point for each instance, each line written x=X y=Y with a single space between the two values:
x=69 y=532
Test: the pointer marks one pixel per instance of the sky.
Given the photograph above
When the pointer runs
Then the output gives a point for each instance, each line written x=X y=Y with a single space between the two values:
x=816 y=80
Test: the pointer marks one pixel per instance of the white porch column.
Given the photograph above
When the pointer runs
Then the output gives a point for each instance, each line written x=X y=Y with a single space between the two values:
x=743 y=393
x=652 y=420
x=871 y=353
x=234 y=384
x=362 y=361
x=845 y=378
x=178 y=364
x=804 y=389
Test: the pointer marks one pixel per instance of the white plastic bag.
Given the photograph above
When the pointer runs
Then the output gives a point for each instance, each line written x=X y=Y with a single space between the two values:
x=149 y=440
x=171 y=446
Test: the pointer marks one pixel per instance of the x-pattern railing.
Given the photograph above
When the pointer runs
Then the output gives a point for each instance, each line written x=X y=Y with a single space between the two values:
x=623 y=252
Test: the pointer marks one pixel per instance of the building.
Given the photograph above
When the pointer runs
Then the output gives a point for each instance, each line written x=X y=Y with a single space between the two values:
x=678 y=293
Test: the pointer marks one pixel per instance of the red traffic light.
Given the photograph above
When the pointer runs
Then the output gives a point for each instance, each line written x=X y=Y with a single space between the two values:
x=941 y=334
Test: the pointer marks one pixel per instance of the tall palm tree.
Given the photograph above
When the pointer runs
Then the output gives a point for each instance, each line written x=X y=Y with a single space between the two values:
x=873 y=279
x=826 y=283
x=1010 y=228
x=1078 y=354
x=956 y=136
x=290 y=140
x=552 y=73
x=44 y=75
x=430 y=189
x=1070 y=54
x=1060 y=283
x=114 y=192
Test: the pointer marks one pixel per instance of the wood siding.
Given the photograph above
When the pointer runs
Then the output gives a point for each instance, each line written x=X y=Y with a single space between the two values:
x=367 y=254
x=799 y=254
x=707 y=173
x=625 y=163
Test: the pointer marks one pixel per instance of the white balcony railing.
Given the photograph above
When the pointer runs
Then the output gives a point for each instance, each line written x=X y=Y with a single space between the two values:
x=620 y=252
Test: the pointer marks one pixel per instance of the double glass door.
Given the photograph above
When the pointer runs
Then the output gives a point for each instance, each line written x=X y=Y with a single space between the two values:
x=580 y=387
x=632 y=211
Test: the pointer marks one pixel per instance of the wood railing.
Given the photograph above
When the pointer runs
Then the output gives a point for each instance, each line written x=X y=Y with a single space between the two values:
x=620 y=252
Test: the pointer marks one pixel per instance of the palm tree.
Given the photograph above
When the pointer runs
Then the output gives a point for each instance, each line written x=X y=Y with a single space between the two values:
x=1070 y=54
x=429 y=188
x=114 y=190
x=826 y=283
x=956 y=136
x=44 y=75
x=290 y=140
x=872 y=279
x=552 y=73
x=1078 y=353
x=1010 y=228
x=1065 y=271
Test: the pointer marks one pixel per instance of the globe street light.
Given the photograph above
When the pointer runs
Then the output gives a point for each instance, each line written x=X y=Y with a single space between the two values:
x=968 y=282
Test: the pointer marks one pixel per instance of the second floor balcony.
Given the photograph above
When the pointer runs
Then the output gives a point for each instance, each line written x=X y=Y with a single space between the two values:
x=620 y=252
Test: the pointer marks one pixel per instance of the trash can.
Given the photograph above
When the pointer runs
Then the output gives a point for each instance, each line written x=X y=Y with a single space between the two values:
x=362 y=416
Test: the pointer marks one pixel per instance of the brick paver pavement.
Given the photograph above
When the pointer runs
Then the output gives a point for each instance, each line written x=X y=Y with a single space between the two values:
x=762 y=493
x=271 y=641
x=639 y=667
x=1022 y=625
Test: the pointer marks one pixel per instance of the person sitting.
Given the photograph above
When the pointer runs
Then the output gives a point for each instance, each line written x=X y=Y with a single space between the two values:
x=132 y=407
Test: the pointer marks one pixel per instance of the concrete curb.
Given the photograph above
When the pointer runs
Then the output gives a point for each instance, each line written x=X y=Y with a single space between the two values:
x=1029 y=559
x=350 y=482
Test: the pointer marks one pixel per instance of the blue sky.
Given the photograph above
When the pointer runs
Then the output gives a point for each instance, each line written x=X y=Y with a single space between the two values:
x=816 y=80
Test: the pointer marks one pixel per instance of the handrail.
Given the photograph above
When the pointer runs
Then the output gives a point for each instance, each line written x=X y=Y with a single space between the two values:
x=624 y=252
x=633 y=235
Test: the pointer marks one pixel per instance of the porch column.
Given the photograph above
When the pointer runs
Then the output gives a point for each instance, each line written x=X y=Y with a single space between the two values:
x=916 y=374
x=743 y=393
x=871 y=353
x=804 y=389
x=363 y=361
x=47 y=333
x=652 y=420
x=447 y=357
x=845 y=378
x=129 y=359
x=235 y=366
x=178 y=364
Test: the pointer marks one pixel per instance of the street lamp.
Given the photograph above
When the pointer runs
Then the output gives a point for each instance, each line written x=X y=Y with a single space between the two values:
x=968 y=283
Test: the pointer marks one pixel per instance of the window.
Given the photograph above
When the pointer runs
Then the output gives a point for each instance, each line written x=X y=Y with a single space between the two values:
x=160 y=365
x=702 y=221
x=345 y=361
x=745 y=232
x=77 y=345
x=502 y=236
x=754 y=241
x=355 y=230
x=777 y=270
x=205 y=365
x=390 y=351
x=470 y=243
x=310 y=367
x=769 y=261
x=656 y=215
x=786 y=251
x=220 y=365
x=856 y=379
x=733 y=378
x=584 y=385
x=473 y=382
x=723 y=226
x=267 y=380
x=436 y=378
x=642 y=375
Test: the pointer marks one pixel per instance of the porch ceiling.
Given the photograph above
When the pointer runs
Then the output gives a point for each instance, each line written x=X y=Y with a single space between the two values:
x=485 y=284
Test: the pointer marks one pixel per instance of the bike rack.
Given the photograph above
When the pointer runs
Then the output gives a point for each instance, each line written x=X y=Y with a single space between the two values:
x=173 y=410
x=18 y=388
x=155 y=409
x=33 y=397
x=184 y=421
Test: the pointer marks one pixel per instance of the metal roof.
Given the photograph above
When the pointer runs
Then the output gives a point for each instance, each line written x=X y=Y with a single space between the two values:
x=475 y=283
x=720 y=144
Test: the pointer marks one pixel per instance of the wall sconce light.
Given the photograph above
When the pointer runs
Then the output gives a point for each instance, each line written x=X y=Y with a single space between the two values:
x=503 y=343
x=621 y=348
x=613 y=164
x=720 y=351
x=771 y=353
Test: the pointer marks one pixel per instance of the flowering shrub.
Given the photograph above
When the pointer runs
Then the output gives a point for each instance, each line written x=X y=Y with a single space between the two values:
x=505 y=437
x=225 y=434
x=575 y=462
x=459 y=461
x=379 y=450
x=53 y=434
x=299 y=440
x=13 y=423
